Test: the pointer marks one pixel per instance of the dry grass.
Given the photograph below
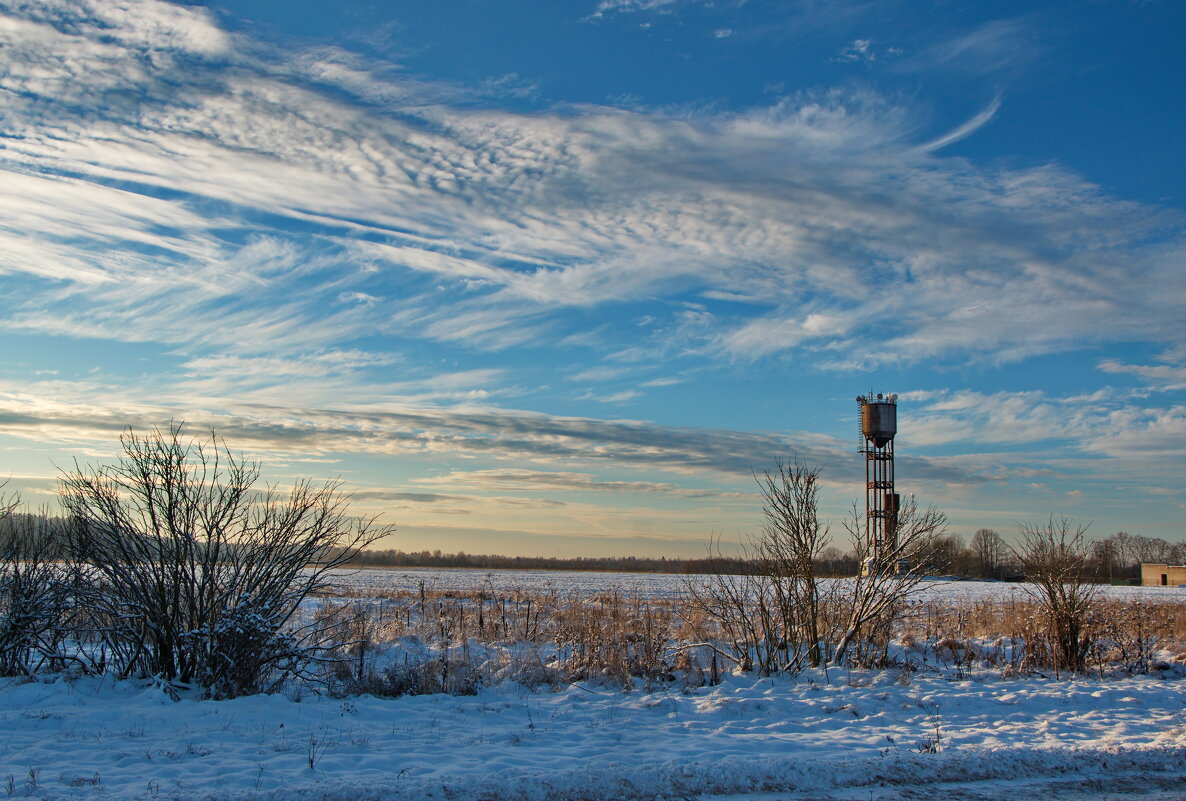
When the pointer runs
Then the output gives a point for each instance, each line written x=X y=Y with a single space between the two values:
x=454 y=642
x=1014 y=635
x=536 y=638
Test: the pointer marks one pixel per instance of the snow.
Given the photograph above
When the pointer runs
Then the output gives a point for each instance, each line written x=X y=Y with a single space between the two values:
x=839 y=735
x=820 y=735
x=659 y=585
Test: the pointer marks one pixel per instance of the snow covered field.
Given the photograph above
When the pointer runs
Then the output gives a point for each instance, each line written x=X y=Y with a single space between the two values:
x=657 y=585
x=873 y=735
x=837 y=735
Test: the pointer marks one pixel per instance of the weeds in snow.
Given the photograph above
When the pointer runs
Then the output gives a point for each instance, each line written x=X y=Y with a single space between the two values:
x=429 y=641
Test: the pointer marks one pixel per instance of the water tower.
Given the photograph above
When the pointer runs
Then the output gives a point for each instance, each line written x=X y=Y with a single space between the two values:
x=879 y=423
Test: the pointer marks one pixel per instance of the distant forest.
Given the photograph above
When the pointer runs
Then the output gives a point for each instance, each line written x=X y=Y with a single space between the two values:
x=832 y=562
x=608 y=564
x=985 y=556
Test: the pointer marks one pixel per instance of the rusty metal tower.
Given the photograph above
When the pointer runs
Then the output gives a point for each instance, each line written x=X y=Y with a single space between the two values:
x=879 y=422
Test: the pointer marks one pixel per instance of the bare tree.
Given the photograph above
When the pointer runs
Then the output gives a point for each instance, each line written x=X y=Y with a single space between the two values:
x=195 y=572
x=791 y=540
x=771 y=617
x=1151 y=549
x=835 y=562
x=1125 y=558
x=1178 y=553
x=1103 y=553
x=988 y=551
x=947 y=554
x=877 y=594
x=1054 y=559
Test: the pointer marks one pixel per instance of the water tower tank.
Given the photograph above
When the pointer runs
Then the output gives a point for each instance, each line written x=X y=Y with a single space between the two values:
x=879 y=420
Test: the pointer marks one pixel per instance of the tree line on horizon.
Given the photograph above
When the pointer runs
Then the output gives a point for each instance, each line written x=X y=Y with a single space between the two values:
x=985 y=555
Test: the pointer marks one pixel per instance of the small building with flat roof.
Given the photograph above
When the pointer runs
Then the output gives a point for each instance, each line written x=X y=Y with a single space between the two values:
x=1155 y=575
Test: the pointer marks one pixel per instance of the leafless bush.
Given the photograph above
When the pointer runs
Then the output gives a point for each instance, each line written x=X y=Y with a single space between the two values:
x=877 y=595
x=36 y=595
x=791 y=541
x=729 y=610
x=1054 y=558
x=771 y=619
x=195 y=571
x=779 y=619
x=1127 y=635
x=439 y=674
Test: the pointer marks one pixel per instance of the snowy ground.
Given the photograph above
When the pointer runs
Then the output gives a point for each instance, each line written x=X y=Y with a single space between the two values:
x=845 y=736
x=656 y=585
x=840 y=736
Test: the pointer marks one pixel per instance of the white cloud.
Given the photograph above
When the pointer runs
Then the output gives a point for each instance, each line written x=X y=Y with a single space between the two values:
x=968 y=128
x=994 y=46
x=1169 y=376
x=618 y=397
x=771 y=335
x=1134 y=439
x=862 y=50
x=598 y=374
x=1144 y=435
x=607 y=7
x=236 y=202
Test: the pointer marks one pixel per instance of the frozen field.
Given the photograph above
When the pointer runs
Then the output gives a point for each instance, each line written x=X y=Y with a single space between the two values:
x=658 y=585
x=825 y=736
x=844 y=736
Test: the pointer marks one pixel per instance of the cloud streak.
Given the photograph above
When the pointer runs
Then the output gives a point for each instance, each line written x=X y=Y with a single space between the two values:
x=244 y=198
x=534 y=480
x=968 y=128
x=50 y=411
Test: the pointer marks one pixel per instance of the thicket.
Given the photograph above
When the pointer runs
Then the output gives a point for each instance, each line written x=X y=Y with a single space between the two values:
x=174 y=563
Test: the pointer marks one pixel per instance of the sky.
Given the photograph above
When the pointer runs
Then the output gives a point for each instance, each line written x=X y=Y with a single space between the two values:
x=557 y=278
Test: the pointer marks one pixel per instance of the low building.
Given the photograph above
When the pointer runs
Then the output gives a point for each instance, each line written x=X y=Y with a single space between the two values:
x=1155 y=575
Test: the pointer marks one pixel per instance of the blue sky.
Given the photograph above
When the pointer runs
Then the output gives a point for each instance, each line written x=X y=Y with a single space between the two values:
x=539 y=277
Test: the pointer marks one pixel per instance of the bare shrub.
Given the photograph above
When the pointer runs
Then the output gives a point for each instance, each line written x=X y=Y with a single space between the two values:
x=1013 y=635
x=771 y=618
x=36 y=595
x=876 y=597
x=791 y=541
x=1127 y=635
x=1054 y=559
x=195 y=572
x=441 y=674
x=733 y=609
